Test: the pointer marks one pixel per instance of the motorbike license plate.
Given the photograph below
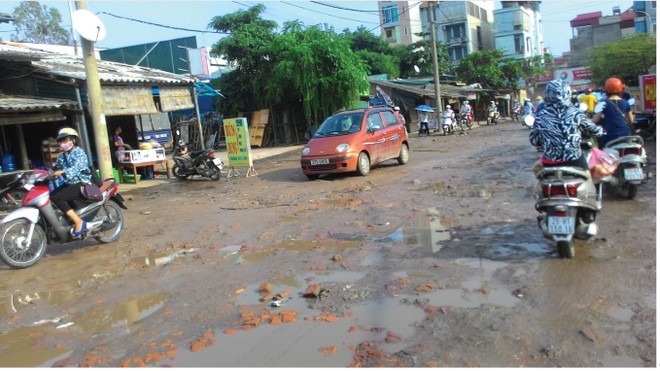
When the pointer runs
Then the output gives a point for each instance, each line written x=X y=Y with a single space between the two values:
x=633 y=174
x=561 y=224
x=217 y=162
x=322 y=161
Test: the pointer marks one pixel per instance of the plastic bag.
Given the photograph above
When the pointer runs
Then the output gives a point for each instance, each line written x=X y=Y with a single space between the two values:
x=602 y=164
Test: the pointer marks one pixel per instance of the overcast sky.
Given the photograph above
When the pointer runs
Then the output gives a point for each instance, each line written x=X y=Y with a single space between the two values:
x=195 y=15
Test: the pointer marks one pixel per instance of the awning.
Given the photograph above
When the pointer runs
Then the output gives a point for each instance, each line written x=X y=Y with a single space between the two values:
x=122 y=101
x=174 y=98
x=17 y=109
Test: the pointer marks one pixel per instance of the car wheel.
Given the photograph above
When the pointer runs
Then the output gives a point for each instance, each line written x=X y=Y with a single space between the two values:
x=403 y=155
x=363 y=165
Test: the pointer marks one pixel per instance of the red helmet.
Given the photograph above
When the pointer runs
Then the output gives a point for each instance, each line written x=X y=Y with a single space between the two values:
x=613 y=85
x=587 y=91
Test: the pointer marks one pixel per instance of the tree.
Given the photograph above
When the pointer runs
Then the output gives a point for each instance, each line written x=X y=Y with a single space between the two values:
x=374 y=51
x=316 y=68
x=492 y=70
x=419 y=54
x=39 y=24
x=626 y=59
x=248 y=49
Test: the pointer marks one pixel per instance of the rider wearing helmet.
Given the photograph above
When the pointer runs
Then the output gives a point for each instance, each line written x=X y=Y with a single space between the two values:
x=466 y=109
x=557 y=128
x=614 y=114
x=590 y=100
x=73 y=168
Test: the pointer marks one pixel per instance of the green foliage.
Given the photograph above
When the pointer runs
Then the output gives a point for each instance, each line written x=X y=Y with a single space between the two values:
x=317 y=68
x=626 y=59
x=38 y=24
x=419 y=54
x=493 y=71
x=374 y=51
x=379 y=63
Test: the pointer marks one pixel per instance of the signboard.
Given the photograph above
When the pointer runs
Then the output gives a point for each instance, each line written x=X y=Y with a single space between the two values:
x=574 y=76
x=647 y=88
x=239 y=152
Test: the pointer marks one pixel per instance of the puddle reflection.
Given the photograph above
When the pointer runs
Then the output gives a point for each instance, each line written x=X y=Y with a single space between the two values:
x=424 y=231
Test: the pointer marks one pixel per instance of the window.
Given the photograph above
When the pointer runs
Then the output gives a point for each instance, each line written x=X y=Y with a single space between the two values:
x=390 y=119
x=519 y=44
x=374 y=121
x=390 y=14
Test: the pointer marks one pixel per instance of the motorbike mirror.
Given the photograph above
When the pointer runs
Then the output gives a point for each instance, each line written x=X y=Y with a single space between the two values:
x=583 y=107
x=529 y=120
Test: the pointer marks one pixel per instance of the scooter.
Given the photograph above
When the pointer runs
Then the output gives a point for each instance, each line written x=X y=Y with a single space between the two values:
x=11 y=189
x=516 y=111
x=644 y=125
x=465 y=121
x=448 y=125
x=630 y=173
x=568 y=201
x=493 y=117
x=27 y=231
x=189 y=163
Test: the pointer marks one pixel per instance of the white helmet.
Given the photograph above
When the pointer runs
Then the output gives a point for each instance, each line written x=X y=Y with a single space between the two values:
x=447 y=106
x=397 y=108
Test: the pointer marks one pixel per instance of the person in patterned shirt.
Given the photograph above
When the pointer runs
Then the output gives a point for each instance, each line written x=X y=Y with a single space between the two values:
x=73 y=167
x=558 y=128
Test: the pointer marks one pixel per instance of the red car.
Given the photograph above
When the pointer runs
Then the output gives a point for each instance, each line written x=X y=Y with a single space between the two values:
x=354 y=141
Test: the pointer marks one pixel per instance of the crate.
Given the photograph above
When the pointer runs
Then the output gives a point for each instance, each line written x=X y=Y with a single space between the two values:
x=128 y=178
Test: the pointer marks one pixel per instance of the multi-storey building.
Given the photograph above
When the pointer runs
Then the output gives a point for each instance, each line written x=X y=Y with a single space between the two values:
x=518 y=29
x=400 y=22
x=463 y=26
x=593 y=29
x=645 y=16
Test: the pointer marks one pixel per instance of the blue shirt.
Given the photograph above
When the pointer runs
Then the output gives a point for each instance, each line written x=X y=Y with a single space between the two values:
x=75 y=166
x=613 y=121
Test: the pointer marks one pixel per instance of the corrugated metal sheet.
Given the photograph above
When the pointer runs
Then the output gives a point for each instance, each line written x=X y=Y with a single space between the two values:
x=109 y=72
x=17 y=53
x=18 y=103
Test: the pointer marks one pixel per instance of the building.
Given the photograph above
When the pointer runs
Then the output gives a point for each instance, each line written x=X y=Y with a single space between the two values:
x=399 y=22
x=593 y=29
x=463 y=26
x=644 y=16
x=518 y=29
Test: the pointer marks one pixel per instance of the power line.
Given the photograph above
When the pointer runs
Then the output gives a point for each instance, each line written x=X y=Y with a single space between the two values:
x=162 y=25
x=342 y=8
x=328 y=14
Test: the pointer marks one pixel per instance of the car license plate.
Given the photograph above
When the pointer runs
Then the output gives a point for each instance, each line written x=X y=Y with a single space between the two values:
x=322 y=161
x=561 y=224
x=633 y=174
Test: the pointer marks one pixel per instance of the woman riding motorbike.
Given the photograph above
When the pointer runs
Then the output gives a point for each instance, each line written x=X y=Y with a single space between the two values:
x=557 y=128
x=614 y=114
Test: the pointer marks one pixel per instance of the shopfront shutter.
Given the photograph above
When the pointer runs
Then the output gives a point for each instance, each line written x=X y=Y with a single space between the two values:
x=123 y=101
x=174 y=98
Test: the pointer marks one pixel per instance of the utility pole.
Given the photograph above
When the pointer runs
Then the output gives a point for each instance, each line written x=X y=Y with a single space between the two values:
x=436 y=73
x=96 y=104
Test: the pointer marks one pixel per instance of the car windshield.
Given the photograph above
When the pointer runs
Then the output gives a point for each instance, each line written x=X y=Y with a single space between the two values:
x=341 y=124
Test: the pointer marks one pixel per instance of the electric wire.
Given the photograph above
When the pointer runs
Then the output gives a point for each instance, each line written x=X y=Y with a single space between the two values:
x=162 y=25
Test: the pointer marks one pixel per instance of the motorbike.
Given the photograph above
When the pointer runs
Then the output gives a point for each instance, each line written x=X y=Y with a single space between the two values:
x=200 y=162
x=568 y=201
x=448 y=125
x=630 y=173
x=644 y=125
x=465 y=121
x=28 y=230
x=516 y=111
x=493 y=117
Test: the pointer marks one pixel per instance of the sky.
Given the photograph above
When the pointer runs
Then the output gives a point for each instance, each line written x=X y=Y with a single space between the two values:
x=137 y=21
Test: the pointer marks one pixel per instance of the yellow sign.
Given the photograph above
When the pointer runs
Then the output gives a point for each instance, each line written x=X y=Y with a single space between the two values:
x=237 y=138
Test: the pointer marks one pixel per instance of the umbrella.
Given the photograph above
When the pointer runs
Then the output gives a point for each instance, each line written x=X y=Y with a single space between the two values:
x=424 y=108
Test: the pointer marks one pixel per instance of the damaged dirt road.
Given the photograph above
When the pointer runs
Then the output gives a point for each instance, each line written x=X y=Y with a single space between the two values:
x=439 y=262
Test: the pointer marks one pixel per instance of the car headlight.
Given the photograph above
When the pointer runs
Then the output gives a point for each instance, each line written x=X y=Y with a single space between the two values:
x=305 y=151
x=342 y=148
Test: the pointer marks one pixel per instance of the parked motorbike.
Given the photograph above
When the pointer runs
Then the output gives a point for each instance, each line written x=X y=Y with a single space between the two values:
x=200 y=162
x=568 y=202
x=644 y=125
x=465 y=121
x=630 y=173
x=27 y=231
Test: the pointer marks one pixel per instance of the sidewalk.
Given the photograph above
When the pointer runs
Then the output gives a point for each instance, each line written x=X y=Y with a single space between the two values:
x=257 y=155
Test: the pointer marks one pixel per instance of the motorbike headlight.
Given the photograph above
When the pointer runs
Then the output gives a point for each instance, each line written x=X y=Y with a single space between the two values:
x=342 y=147
x=305 y=151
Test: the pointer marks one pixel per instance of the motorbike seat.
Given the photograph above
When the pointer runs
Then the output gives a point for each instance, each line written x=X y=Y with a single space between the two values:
x=631 y=139
x=196 y=153
x=107 y=184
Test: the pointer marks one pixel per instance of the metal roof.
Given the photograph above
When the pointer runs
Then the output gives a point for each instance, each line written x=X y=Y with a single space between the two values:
x=427 y=90
x=73 y=67
x=19 y=103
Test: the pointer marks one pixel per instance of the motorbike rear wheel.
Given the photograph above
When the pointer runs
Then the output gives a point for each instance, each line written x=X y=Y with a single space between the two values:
x=629 y=190
x=176 y=171
x=13 y=248
x=113 y=224
x=566 y=249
